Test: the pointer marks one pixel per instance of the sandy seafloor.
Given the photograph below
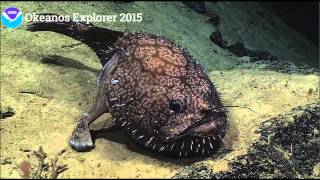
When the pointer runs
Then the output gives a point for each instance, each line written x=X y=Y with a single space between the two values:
x=48 y=95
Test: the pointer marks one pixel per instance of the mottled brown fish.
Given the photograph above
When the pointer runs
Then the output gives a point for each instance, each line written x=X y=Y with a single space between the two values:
x=155 y=91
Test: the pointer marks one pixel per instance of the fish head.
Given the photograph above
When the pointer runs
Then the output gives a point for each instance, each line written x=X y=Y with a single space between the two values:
x=192 y=110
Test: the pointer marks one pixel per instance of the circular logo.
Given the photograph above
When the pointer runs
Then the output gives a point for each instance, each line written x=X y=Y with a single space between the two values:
x=11 y=17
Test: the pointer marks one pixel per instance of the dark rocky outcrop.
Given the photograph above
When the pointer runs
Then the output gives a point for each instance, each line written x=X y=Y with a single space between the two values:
x=7 y=112
x=286 y=149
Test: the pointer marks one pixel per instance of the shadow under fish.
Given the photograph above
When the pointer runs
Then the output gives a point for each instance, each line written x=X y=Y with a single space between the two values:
x=66 y=62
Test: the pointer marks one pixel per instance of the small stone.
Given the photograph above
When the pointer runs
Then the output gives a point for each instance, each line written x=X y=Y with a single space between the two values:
x=6 y=161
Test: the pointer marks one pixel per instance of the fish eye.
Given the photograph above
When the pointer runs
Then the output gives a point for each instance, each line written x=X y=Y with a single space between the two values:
x=175 y=105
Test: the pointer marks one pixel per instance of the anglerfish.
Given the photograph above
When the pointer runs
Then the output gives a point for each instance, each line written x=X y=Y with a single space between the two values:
x=154 y=89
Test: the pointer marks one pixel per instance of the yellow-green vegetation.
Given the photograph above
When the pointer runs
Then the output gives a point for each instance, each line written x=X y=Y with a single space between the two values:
x=48 y=99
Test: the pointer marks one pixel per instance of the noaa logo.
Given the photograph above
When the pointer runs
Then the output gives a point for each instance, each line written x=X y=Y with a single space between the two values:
x=11 y=17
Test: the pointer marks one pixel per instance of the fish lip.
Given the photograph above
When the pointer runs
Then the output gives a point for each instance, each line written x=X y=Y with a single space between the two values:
x=189 y=130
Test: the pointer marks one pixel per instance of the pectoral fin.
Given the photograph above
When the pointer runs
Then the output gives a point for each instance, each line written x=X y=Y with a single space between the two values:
x=107 y=69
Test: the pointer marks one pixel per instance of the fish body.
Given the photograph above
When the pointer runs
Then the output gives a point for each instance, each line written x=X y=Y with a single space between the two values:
x=154 y=89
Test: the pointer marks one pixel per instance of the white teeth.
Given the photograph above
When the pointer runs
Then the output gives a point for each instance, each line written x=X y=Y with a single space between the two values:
x=185 y=154
x=182 y=145
x=154 y=146
x=204 y=142
x=197 y=150
x=147 y=143
x=113 y=99
x=161 y=149
x=172 y=146
x=180 y=154
x=123 y=124
x=113 y=120
x=191 y=145
x=140 y=136
x=134 y=131
x=202 y=151
x=210 y=145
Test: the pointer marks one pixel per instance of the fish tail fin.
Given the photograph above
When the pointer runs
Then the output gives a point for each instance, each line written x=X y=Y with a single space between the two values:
x=98 y=39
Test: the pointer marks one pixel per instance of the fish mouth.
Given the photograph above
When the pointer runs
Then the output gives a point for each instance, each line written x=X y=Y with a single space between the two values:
x=191 y=130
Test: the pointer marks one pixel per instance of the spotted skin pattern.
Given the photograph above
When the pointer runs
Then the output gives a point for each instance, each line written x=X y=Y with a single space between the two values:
x=154 y=89
x=152 y=72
